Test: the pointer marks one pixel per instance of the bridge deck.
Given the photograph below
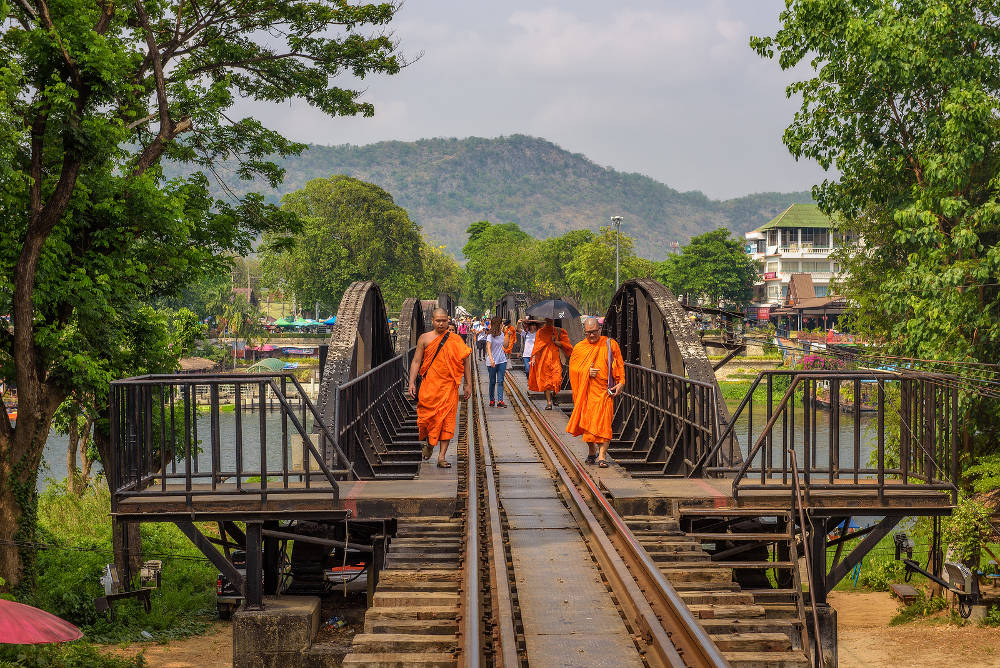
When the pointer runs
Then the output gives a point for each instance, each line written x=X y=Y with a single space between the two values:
x=642 y=496
x=432 y=493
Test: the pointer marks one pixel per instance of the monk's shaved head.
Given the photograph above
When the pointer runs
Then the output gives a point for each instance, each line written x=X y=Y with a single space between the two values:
x=438 y=312
x=590 y=323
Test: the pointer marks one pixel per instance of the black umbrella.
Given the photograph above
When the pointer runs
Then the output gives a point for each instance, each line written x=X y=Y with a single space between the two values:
x=556 y=309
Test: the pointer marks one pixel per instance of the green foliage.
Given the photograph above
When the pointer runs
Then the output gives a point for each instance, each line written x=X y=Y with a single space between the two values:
x=992 y=617
x=922 y=607
x=714 y=266
x=968 y=529
x=446 y=182
x=591 y=270
x=79 y=529
x=985 y=473
x=879 y=570
x=903 y=102
x=351 y=231
x=70 y=655
x=502 y=258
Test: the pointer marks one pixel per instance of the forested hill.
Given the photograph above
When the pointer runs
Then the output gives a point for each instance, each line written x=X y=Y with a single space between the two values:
x=446 y=184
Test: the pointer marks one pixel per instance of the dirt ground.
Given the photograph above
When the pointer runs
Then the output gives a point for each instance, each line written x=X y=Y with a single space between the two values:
x=214 y=649
x=866 y=639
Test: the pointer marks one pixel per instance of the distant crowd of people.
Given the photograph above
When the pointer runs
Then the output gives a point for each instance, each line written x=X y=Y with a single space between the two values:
x=443 y=361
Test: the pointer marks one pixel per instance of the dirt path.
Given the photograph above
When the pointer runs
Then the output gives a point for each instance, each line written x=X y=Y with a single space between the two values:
x=867 y=641
x=214 y=649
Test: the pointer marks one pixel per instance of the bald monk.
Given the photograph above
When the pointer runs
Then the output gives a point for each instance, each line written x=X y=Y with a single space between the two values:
x=441 y=360
x=592 y=393
x=546 y=368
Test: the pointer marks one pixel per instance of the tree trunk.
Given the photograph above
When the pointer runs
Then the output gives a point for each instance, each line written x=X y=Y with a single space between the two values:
x=72 y=472
x=88 y=463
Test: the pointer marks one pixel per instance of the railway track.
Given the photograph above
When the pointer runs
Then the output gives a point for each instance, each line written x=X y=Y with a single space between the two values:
x=538 y=569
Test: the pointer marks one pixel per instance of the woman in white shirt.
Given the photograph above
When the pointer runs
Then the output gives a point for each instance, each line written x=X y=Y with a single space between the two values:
x=496 y=360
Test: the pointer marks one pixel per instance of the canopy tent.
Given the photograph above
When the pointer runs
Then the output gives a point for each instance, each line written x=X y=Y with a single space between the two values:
x=283 y=322
x=304 y=322
x=269 y=365
x=331 y=320
x=24 y=625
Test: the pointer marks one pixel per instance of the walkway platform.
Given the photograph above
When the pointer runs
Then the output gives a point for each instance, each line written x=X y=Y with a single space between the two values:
x=662 y=496
x=434 y=492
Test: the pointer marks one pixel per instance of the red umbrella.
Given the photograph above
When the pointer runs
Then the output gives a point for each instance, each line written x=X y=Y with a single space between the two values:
x=24 y=625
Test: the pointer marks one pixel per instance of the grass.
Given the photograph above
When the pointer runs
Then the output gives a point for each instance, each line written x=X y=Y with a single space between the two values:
x=79 y=531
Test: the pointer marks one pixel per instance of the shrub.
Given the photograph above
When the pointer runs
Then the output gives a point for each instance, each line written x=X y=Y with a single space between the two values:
x=968 y=529
x=921 y=607
x=992 y=617
x=879 y=571
x=69 y=655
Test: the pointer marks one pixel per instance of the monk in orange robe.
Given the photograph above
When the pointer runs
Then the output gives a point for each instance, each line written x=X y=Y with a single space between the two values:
x=592 y=393
x=441 y=363
x=546 y=367
x=509 y=337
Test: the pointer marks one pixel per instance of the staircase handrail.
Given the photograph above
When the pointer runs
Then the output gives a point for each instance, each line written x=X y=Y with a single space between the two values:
x=797 y=504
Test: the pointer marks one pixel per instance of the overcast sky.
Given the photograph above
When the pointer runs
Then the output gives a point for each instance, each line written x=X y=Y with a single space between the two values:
x=667 y=88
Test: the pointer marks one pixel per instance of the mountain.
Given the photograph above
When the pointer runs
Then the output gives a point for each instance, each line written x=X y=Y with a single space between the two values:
x=446 y=184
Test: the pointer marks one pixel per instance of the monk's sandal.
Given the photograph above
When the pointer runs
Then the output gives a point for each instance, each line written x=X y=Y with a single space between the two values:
x=591 y=459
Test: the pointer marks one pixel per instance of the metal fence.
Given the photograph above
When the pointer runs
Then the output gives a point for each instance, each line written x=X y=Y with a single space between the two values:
x=663 y=424
x=167 y=442
x=373 y=421
x=869 y=429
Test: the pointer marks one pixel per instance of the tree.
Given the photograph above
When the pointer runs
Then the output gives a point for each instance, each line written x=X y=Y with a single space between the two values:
x=903 y=102
x=93 y=95
x=351 y=231
x=553 y=256
x=501 y=258
x=441 y=272
x=591 y=271
x=713 y=266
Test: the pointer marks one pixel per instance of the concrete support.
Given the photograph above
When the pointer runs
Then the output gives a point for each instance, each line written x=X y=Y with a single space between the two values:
x=828 y=632
x=279 y=635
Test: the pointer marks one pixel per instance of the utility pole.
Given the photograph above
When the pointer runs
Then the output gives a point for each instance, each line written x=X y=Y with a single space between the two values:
x=616 y=222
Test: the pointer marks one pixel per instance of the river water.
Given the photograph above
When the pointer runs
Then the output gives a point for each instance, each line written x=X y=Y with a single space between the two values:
x=54 y=458
x=869 y=436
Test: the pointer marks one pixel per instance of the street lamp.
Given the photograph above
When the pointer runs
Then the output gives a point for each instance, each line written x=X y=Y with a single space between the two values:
x=616 y=222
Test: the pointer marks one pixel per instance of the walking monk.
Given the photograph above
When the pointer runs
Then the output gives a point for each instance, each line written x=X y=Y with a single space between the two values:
x=441 y=360
x=546 y=369
x=590 y=369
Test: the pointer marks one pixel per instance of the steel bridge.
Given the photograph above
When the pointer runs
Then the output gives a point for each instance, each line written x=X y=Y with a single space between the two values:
x=710 y=506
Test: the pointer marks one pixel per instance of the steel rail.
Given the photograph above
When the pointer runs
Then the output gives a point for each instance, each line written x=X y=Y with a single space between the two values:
x=472 y=611
x=673 y=635
x=503 y=607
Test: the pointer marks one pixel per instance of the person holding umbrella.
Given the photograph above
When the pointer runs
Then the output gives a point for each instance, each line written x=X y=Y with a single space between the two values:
x=546 y=366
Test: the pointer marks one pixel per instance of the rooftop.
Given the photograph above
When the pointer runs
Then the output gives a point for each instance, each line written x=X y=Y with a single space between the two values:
x=798 y=215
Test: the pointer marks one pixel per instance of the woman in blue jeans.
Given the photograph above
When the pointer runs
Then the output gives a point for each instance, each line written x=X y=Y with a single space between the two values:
x=496 y=359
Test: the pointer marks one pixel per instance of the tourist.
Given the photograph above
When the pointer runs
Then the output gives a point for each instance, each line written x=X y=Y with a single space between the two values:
x=597 y=375
x=496 y=361
x=528 y=329
x=481 y=339
x=546 y=367
x=440 y=360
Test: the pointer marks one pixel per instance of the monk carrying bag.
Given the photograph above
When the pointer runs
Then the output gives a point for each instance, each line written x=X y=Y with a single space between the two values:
x=420 y=378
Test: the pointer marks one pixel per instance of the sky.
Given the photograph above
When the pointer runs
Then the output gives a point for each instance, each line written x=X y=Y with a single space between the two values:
x=666 y=88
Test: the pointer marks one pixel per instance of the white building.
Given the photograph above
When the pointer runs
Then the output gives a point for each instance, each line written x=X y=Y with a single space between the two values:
x=798 y=240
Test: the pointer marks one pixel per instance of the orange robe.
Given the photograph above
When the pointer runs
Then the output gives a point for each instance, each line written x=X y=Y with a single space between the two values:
x=546 y=367
x=437 y=404
x=509 y=339
x=592 y=405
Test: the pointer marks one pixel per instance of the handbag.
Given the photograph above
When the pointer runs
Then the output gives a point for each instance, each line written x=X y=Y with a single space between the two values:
x=420 y=378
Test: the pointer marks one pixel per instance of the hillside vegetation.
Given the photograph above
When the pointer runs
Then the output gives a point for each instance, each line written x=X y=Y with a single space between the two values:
x=445 y=184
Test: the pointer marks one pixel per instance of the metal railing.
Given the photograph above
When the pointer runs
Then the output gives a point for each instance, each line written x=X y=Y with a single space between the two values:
x=837 y=422
x=169 y=439
x=664 y=419
x=370 y=412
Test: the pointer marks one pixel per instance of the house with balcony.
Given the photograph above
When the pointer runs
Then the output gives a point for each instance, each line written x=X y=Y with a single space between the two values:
x=799 y=240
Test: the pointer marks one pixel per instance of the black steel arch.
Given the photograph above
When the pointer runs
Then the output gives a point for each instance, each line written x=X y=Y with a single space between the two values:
x=411 y=325
x=654 y=332
x=359 y=342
